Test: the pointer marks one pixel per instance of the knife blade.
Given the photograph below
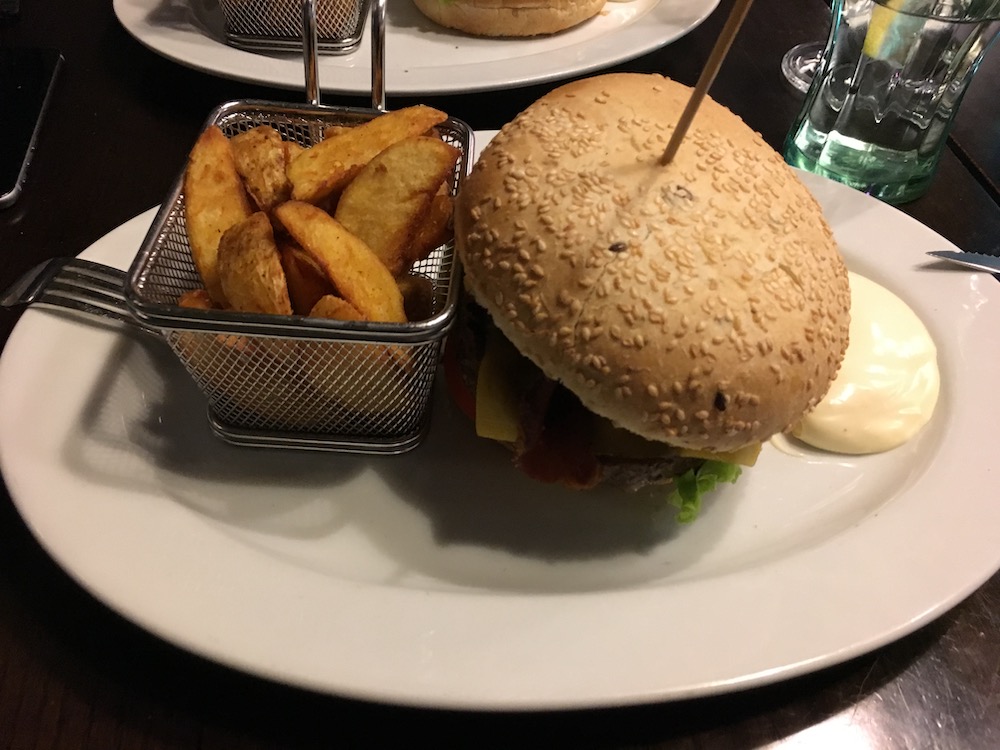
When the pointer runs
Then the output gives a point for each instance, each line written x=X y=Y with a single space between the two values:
x=979 y=261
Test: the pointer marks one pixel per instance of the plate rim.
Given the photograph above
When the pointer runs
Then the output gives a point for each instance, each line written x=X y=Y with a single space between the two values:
x=350 y=74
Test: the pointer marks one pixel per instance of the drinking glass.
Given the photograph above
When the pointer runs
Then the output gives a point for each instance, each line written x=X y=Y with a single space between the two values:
x=799 y=64
x=891 y=79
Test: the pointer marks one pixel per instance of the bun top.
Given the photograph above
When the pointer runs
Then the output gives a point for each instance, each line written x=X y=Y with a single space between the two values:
x=515 y=18
x=703 y=303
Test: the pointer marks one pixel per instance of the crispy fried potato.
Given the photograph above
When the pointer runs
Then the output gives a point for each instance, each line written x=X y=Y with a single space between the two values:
x=330 y=164
x=262 y=160
x=188 y=341
x=331 y=130
x=214 y=200
x=390 y=196
x=335 y=308
x=307 y=282
x=292 y=149
x=434 y=230
x=418 y=296
x=250 y=268
x=197 y=299
x=356 y=272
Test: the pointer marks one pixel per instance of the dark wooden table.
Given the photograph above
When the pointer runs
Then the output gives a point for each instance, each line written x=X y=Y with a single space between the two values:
x=73 y=674
x=976 y=135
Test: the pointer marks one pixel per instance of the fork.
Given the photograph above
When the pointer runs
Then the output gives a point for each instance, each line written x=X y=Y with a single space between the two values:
x=73 y=284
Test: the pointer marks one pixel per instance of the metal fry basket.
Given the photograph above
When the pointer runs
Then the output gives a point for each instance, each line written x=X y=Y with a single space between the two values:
x=276 y=25
x=289 y=381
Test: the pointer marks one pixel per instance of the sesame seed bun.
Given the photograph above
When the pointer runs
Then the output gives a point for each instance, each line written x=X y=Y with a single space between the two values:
x=702 y=304
x=509 y=17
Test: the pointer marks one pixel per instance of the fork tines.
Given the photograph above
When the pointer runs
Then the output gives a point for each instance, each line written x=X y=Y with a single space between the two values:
x=74 y=284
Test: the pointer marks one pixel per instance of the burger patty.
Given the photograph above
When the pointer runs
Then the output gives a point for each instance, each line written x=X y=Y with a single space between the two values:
x=635 y=473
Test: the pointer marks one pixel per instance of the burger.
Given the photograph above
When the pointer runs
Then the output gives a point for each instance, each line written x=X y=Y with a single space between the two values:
x=630 y=322
x=513 y=18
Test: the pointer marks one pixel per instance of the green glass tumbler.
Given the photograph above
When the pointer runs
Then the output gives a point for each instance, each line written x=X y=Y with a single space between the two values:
x=882 y=102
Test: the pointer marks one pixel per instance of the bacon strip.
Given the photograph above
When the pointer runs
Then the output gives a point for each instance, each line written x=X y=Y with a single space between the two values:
x=555 y=443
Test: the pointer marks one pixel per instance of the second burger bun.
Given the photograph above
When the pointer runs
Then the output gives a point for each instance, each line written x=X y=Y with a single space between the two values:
x=703 y=303
x=515 y=18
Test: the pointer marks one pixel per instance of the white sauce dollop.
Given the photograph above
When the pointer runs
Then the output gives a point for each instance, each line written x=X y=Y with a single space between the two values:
x=888 y=383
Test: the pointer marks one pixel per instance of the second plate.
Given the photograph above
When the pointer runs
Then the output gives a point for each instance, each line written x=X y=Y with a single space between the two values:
x=421 y=57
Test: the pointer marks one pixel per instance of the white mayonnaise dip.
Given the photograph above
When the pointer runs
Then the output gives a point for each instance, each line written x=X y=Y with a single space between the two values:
x=888 y=384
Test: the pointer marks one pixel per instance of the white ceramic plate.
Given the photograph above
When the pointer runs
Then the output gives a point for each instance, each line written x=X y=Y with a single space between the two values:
x=443 y=578
x=421 y=57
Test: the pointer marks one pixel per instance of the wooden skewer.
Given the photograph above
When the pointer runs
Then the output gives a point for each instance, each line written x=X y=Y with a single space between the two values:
x=708 y=73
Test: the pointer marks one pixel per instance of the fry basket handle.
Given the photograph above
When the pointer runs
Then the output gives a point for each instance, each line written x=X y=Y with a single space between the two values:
x=310 y=54
x=378 y=55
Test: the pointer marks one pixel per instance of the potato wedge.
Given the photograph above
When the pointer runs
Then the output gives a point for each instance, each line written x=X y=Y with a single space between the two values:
x=435 y=229
x=188 y=342
x=262 y=161
x=330 y=164
x=335 y=308
x=387 y=201
x=418 y=296
x=356 y=272
x=292 y=149
x=250 y=269
x=214 y=200
x=307 y=282
x=331 y=130
x=197 y=299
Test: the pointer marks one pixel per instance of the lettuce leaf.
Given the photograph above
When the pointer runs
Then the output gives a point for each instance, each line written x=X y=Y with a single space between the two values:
x=691 y=486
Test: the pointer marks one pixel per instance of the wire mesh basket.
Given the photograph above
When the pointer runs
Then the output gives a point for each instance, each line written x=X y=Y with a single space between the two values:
x=291 y=381
x=276 y=25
